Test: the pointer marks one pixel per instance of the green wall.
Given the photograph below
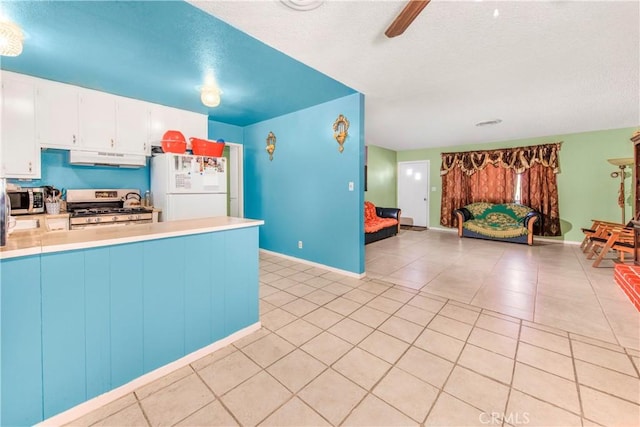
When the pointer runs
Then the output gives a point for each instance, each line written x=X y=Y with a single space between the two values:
x=585 y=188
x=381 y=177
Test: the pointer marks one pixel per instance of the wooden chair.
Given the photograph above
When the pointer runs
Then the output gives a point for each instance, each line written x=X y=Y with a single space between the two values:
x=599 y=228
x=619 y=239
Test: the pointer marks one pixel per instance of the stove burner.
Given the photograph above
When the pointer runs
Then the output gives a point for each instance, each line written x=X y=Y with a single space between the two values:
x=109 y=211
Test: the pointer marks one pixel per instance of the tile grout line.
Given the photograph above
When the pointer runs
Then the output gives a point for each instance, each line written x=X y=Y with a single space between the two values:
x=389 y=315
x=624 y=350
x=406 y=303
x=513 y=372
x=144 y=414
x=604 y=312
x=217 y=398
x=392 y=365
x=455 y=363
x=193 y=371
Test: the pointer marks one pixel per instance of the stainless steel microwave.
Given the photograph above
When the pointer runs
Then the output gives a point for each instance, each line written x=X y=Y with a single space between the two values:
x=27 y=201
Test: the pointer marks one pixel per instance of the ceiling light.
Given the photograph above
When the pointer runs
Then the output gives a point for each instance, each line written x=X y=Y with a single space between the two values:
x=210 y=96
x=302 y=5
x=10 y=39
x=496 y=13
x=489 y=122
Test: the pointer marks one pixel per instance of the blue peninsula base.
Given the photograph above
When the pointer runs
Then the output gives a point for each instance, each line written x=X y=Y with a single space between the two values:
x=76 y=324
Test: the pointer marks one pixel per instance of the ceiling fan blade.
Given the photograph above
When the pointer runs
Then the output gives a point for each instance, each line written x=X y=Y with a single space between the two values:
x=406 y=17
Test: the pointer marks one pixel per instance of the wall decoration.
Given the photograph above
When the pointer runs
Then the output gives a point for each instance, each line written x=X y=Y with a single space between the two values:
x=340 y=130
x=271 y=144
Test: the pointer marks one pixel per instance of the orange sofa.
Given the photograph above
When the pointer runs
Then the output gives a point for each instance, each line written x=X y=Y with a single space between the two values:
x=380 y=223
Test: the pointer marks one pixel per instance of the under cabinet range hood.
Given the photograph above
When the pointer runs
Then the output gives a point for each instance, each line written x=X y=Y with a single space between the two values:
x=103 y=158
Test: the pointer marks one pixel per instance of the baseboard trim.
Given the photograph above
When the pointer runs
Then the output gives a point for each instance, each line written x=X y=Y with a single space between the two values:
x=535 y=239
x=446 y=230
x=97 y=402
x=315 y=264
x=550 y=240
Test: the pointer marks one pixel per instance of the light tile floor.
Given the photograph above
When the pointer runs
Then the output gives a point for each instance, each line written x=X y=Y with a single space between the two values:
x=443 y=332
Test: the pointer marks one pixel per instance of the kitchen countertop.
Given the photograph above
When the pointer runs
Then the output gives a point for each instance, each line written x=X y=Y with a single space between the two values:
x=33 y=242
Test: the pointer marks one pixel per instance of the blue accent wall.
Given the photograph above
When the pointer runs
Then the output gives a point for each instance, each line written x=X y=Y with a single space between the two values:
x=303 y=194
x=230 y=133
x=57 y=171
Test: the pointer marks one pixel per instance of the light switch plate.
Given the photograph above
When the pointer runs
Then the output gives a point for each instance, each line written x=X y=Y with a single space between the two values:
x=350 y=185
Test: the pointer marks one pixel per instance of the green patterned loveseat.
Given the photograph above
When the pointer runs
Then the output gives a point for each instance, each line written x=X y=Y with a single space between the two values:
x=508 y=222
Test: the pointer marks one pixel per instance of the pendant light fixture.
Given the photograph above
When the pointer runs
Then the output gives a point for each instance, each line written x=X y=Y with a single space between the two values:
x=10 y=39
x=210 y=96
x=210 y=92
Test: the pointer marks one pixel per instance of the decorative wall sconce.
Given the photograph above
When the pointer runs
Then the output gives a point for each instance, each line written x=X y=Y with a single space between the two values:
x=271 y=144
x=340 y=130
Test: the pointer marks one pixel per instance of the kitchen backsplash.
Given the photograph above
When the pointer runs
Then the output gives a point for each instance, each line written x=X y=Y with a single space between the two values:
x=57 y=171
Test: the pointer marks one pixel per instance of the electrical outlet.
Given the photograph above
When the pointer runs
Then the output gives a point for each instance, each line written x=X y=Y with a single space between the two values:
x=299 y=244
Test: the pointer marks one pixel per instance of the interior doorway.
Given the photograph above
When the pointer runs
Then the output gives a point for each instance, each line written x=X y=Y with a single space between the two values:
x=236 y=182
x=413 y=192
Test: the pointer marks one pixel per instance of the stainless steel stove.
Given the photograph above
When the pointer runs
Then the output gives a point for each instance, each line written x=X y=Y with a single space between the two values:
x=106 y=207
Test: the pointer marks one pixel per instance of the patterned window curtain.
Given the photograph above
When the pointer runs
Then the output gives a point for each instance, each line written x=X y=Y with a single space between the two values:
x=455 y=193
x=540 y=192
x=489 y=176
x=493 y=184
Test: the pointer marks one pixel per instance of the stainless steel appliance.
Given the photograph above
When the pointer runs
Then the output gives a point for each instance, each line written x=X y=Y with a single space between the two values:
x=105 y=207
x=27 y=200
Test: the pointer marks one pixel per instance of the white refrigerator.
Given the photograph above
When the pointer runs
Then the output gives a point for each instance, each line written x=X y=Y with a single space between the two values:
x=185 y=186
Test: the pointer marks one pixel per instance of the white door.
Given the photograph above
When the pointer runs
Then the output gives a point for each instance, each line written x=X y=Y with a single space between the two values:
x=190 y=206
x=413 y=191
x=236 y=185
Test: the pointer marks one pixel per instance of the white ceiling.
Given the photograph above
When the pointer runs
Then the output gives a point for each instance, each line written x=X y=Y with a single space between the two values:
x=544 y=68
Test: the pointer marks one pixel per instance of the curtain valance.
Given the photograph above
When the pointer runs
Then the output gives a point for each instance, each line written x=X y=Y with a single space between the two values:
x=518 y=158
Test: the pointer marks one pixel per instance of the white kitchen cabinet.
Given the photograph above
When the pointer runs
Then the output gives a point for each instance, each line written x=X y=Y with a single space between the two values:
x=194 y=125
x=167 y=118
x=20 y=152
x=56 y=115
x=97 y=120
x=132 y=126
x=163 y=119
x=64 y=116
x=113 y=123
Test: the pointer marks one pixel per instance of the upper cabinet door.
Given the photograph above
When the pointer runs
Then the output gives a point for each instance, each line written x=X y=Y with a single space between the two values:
x=57 y=115
x=20 y=152
x=194 y=125
x=167 y=118
x=132 y=126
x=163 y=119
x=97 y=120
